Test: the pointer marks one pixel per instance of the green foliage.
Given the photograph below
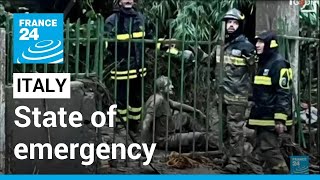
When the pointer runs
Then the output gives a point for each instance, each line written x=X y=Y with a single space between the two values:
x=87 y=8
x=90 y=29
x=310 y=19
x=190 y=18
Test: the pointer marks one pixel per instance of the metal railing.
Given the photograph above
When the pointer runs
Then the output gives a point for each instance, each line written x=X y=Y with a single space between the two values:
x=85 y=56
x=307 y=85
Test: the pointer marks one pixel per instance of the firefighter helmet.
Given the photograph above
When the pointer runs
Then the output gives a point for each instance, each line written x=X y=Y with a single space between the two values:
x=234 y=14
x=269 y=38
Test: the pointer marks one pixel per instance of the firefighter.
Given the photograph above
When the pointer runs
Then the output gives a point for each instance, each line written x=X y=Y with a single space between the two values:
x=121 y=19
x=272 y=110
x=235 y=86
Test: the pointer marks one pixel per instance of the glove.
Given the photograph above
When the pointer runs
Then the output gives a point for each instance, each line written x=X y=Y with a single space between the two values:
x=251 y=57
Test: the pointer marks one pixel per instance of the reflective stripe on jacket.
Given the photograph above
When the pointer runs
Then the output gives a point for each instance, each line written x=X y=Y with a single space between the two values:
x=272 y=93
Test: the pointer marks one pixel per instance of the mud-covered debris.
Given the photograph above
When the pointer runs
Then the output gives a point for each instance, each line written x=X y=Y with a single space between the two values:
x=183 y=161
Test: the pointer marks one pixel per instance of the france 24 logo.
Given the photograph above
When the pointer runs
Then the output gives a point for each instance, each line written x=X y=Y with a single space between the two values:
x=299 y=164
x=38 y=38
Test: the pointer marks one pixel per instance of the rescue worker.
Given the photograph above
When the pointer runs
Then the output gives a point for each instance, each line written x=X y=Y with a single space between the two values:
x=121 y=18
x=272 y=110
x=235 y=86
x=159 y=106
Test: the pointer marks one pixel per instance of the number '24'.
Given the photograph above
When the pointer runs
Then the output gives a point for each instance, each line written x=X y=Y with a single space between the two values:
x=27 y=35
x=296 y=163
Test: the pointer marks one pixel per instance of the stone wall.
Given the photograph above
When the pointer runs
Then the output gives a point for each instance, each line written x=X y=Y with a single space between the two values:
x=82 y=100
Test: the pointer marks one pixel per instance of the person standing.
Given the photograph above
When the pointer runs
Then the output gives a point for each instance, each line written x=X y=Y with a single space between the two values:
x=235 y=86
x=122 y=18
x=271 y=114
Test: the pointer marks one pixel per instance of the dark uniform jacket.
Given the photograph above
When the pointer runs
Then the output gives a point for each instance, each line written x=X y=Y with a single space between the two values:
x=272 y=90
x=120 y=20
x=238 y=56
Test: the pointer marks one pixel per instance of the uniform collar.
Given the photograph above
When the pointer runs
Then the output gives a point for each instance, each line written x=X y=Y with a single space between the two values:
x=267 y=57
x=241 y=37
